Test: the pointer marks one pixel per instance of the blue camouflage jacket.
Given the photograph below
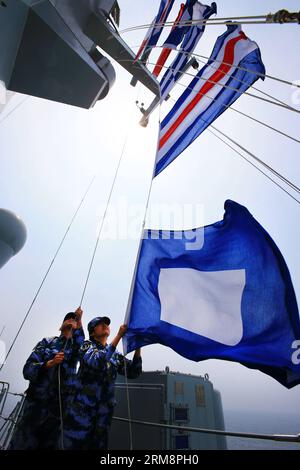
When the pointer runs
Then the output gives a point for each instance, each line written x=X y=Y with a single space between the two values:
x=44 y=382
x=99 y=366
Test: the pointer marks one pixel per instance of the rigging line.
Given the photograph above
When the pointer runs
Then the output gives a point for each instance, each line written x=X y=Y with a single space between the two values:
x=265 y=124
x=263 y=19
x=236 y=110
x=129 y=301
x=59 y=388
x=62 y=439
x=10 y=418
x=13 y=109
x=246 y=115
x=103 y=220
x=285 y=180
x=143 y=227
x=231 y=88
x=268 y=167
x=256 y=89
x=128 y=402
x=288 y=108
x=132 y=285
x=271 y=77
x=269 y=437
x=186 y=23
x=47 y=271
x=255 y=166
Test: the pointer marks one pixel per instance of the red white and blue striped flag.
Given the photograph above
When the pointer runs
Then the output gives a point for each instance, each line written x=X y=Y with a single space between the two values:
x=182 y=26
x=235 y=64
x=155 y=30
x=191 y=39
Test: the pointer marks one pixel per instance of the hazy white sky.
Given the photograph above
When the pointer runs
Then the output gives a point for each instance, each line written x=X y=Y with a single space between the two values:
x=49 y=152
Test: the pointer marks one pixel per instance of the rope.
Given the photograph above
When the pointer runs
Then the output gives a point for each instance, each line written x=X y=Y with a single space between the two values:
x=282 y=16
x=233 y=89
x=255 y=166
x=269 y=437
x=128 y=402
x=131 y=290
x=62 y=440
x=236 y=110
x=257 y=89
x=47 y=272
x=103 y=220
x=285 y=180
x=143 y=226
x=7 y=420
x=278 y=131
x=289 y=183
x=271 y=77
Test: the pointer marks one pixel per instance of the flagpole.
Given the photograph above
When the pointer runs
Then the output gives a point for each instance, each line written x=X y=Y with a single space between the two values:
x=130 y=297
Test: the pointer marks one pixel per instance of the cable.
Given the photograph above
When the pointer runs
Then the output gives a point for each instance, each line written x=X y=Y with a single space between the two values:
x=47 y=271
x=255 y=166
x=234 y=109
x=233 y=89
x=128 y=402
x=268 y=167
x=271 y=77
x=132 y=287
x=262 y=19
x=142 y=231
x=103 y=220
x=257 y=89
x=285 y=180
x=278 y=103
x=218 y=432
x=230 y=107
x=62 y=440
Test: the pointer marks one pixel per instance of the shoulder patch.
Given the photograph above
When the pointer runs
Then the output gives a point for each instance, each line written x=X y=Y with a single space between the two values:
x=51 y=339
x=86 y=345
x=44 y=343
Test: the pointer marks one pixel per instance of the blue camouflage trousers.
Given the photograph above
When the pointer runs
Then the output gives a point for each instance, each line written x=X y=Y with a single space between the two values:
x=87 y=427
x=37 y=428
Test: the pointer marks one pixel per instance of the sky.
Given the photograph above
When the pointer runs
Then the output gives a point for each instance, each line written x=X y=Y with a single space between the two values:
x=49 y=152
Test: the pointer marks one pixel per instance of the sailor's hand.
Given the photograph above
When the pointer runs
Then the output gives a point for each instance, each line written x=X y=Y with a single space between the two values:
x=58 y=359
x=78 y=314
x=122 y=331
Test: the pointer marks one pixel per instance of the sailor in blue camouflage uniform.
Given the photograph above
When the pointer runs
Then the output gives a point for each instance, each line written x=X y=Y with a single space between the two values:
x=52 y=359
x=88 y=420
